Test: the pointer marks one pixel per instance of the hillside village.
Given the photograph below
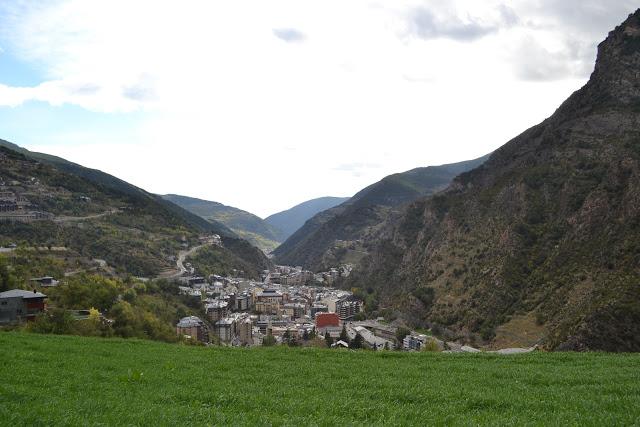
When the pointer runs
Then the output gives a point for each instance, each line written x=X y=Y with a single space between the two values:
x=288 y=306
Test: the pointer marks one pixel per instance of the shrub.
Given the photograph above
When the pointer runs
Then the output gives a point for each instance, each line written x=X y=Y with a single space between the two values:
x=269 y=341
x=431 y=346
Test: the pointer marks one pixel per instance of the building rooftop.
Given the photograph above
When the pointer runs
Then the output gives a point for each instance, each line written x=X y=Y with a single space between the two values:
x=216 y=304
x=188 y=322
x=16 y=293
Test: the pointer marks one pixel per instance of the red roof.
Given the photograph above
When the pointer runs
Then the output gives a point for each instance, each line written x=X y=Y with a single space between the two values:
x=327 y=319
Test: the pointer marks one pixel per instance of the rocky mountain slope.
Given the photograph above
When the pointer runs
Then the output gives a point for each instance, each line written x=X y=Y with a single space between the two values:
x=541 y=244
x=290 y=220
x=244 y=224
x=340 y=234
x=96 y=215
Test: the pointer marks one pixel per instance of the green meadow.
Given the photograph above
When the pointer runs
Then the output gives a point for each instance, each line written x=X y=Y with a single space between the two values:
x=65 y=380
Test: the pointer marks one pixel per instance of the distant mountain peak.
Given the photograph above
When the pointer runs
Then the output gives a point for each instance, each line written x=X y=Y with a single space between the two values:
x=615 y=77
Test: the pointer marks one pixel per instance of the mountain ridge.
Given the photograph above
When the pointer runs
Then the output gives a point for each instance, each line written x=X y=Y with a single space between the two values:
x=335 y=235
x=539 y=245
x=97 y=215
x=242 y=223
x=290 y=220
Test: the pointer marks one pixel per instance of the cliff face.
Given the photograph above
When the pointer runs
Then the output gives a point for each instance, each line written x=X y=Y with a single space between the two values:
x=542 y=242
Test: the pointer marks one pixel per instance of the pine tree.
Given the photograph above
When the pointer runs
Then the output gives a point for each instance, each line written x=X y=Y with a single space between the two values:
x=343 y=335
x=328 y=339
x=356 y=343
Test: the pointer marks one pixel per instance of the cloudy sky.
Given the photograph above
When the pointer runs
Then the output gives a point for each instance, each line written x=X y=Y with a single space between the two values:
x=264 y=104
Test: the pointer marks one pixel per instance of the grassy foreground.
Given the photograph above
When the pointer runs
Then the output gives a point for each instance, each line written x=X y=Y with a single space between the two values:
x=46 y=379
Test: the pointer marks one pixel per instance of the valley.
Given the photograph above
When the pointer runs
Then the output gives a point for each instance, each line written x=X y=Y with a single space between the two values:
x=320 y=213
x=534 y=245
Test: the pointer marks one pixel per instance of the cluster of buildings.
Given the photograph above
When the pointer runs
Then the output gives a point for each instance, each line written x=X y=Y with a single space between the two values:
x=297 y=276
x=17 y=208
x=331 y=276
x=286 y=304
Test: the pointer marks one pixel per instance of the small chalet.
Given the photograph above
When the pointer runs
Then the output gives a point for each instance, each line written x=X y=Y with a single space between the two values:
x=18 y=305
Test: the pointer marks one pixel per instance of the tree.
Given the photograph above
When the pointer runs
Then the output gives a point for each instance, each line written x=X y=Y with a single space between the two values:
x=125 y=321
x=305 y=335
x=269 y=341
x=431 y=346
x=401 y=333
x=356 y=343
x=7 y=280
x=84 y=291
x=360 y=316
x=343 y=334
x=328 y=339
x=313 y=334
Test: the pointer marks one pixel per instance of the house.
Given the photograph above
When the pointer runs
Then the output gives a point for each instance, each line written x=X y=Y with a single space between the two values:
x=414 y=342
x=193 y=327
x=45 y=282
x=340 y=343
x=18 y=305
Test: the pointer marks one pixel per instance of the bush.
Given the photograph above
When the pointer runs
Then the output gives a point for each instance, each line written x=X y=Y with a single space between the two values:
x=431 y=346
x=269 y=341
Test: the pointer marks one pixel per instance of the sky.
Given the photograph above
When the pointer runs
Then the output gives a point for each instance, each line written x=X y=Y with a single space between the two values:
x=264 y=104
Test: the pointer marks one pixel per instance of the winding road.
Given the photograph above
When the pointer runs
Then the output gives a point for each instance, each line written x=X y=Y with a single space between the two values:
x=182 y=256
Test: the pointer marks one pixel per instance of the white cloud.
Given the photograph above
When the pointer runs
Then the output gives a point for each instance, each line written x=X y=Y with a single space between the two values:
x=257 y=104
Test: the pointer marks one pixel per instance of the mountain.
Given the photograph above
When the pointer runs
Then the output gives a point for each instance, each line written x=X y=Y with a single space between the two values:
x=245 y=224
x=339 y=234
x=541 y=244
x=290 y=220
x=95 y=215
x=117 y=186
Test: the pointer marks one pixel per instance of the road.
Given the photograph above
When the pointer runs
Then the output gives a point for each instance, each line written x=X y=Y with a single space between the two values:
x=85 y=218
x=182 y=256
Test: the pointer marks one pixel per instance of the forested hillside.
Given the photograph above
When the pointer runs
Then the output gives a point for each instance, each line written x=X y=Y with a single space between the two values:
x=94 y=215
x=339 y=235
x=242 y=223
x=541 y=244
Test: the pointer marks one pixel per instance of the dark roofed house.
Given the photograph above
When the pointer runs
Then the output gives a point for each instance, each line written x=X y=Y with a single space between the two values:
x=193 y=327
x=18 y=305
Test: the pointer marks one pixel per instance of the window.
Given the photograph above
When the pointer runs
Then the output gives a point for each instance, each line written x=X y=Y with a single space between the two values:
x=3 y=303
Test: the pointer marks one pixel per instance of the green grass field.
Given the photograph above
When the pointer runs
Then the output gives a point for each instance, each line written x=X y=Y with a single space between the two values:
x=54 y=380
